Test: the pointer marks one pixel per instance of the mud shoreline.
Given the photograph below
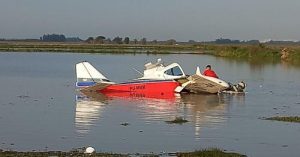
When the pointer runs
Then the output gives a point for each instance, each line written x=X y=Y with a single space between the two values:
x=213 y=152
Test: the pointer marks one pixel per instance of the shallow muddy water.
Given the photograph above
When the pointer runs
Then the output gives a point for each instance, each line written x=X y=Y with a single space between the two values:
x=39 y=108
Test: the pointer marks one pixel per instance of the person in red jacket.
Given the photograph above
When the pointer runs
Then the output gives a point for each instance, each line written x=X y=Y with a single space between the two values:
x=209 y=72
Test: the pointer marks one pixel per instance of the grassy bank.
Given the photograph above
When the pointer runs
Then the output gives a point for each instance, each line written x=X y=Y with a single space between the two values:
x=95 y=48
x=275 y=53
x=202 y=153
x=255 y=52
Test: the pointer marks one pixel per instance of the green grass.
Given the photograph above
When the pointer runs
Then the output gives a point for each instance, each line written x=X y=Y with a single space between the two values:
x=92 y=48
x=255 y=53
x=243 y=51
x=294 y=119
x=210 y=153
x=177 y=120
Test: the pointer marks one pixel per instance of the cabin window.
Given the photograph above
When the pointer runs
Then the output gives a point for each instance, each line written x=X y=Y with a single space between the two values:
x=175 y=71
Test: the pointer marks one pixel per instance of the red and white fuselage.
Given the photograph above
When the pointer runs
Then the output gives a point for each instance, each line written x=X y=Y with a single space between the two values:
x=157 y=79
x=147 y=86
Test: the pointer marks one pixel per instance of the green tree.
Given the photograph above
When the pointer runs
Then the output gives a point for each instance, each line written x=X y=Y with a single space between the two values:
x=90 y=40
x=99 y=39
x=126 y=40
x=144 y=41
x=107 y=41
x=117 y=40
x=171 y=42
x=154 y=42
x=191 y=41
x=54 y=37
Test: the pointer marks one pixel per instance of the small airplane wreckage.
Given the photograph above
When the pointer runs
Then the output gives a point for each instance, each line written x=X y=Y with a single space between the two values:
x=157 y=78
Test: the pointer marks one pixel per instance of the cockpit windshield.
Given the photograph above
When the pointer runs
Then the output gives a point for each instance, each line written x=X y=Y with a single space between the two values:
x=175 y=71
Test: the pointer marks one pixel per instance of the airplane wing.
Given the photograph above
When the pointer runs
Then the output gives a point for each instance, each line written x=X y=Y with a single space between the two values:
x=96 y=87
x=204 y=84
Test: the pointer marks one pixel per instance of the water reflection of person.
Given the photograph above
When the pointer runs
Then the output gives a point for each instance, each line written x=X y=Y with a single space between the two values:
x=206 y=110
x=209 y=72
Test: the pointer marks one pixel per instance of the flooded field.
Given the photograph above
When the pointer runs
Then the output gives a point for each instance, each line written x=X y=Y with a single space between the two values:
x=40 y=110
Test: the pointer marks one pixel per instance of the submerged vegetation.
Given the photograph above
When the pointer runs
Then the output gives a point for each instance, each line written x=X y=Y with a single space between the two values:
x=177 y=120
x=294 y=119
x=201 y=153
x=252 y=52
x=210 y=153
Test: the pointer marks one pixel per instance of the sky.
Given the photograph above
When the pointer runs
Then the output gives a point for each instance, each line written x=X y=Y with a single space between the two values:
x=182 y=20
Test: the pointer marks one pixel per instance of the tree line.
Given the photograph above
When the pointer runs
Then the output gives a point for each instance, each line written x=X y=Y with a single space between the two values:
x=143 y=41
x=104 y=40
x=126 y=40
x=59 y=38
x=230 y=41
x=116 y=40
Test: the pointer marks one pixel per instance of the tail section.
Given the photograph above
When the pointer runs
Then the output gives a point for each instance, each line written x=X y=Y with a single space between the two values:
x=87 y=75
x=198 y=71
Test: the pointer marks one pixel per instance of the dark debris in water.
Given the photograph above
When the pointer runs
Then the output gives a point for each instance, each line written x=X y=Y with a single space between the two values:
x=63 y=137
x=23 y=96
x=125 y=124
x=177 y=120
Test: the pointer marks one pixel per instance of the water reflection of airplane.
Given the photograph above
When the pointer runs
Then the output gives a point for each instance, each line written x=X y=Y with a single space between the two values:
x=88 y=111
x=202 y=110
x=90 y=105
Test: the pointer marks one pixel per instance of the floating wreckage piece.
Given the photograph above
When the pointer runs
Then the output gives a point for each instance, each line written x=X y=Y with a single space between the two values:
x=236 y=88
